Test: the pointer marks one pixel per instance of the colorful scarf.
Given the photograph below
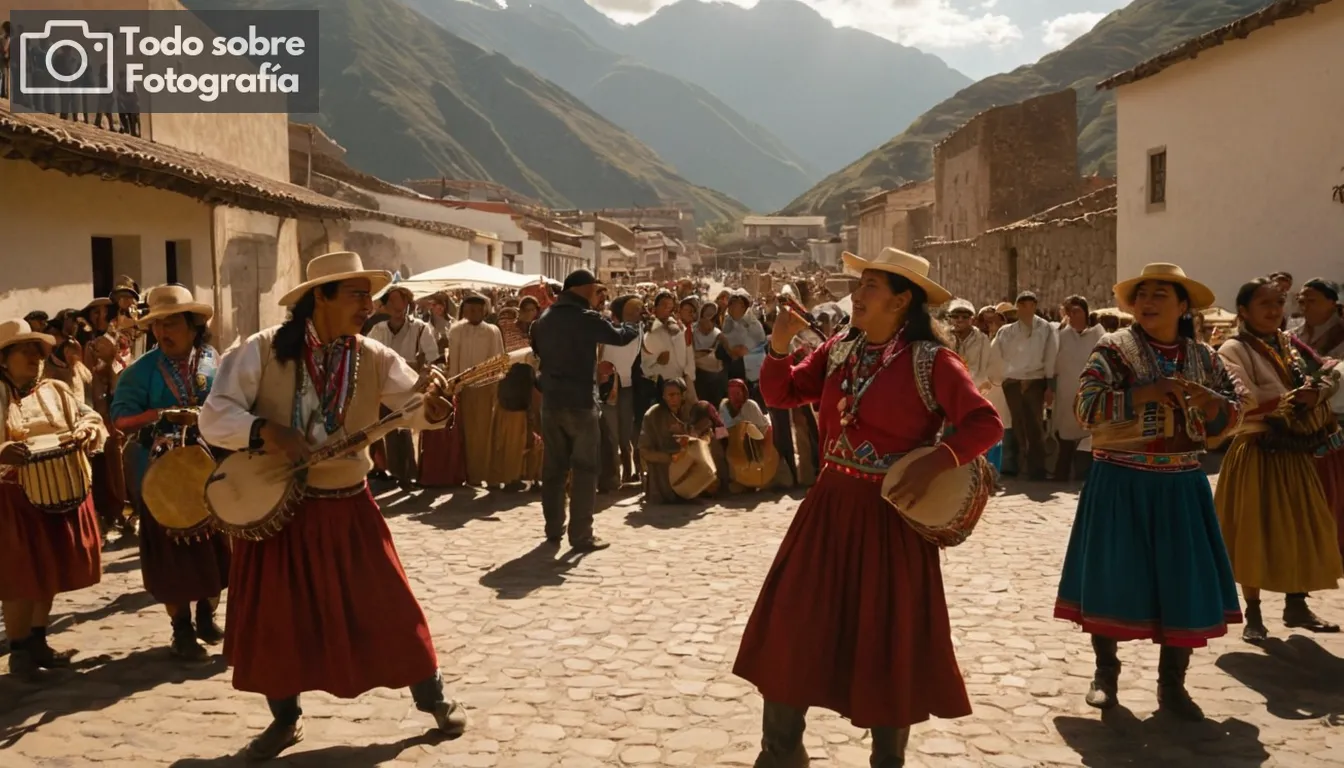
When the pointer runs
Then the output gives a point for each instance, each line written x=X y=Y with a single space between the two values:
x=331 y=368
x=185 y=384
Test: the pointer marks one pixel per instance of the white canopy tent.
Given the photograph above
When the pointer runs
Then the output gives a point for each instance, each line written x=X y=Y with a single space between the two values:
x=464 y=274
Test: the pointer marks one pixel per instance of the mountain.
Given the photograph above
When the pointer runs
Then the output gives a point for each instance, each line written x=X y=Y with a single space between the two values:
x=829 y=93
x=1124 y=38
x=702 y=137
x=409 y=99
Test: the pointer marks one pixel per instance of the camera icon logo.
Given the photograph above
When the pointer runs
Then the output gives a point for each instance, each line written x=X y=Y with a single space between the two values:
x=57 y=59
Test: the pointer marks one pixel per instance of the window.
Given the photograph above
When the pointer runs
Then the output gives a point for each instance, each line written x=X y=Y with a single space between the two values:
x=1157 y=179
x=103 y=271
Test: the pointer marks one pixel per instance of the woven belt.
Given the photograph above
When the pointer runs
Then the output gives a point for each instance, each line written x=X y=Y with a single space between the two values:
x=872 y=477
x=1151 y=462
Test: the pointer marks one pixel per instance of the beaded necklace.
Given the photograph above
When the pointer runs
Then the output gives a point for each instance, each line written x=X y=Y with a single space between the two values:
x=866 y=361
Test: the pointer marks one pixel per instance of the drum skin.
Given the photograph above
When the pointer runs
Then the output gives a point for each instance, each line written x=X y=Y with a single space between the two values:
x=752 y=461
x=174 y=487
x=249 y=494
x=693 y=473
x=948 y=513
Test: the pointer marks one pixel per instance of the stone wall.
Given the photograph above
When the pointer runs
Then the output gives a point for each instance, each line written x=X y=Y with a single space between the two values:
x=1054 y=259
x=1005 y=164
x=1032 y=152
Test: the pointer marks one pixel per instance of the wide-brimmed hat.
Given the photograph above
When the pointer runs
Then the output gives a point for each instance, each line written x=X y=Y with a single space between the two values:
x=125 y=284
x=172 y=299
x=333 y=268
x=18 y=331
x=1201 y=296
x=907 y=265
x=101 y=301
x=1004 y=307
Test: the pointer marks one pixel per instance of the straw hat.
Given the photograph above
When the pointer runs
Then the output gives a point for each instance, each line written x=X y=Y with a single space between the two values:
x=333 y=268
x=18 y=331
x=101 y=301
x=907 y=265
x=1201 y=296
x=172 y=299
x=1004 y=307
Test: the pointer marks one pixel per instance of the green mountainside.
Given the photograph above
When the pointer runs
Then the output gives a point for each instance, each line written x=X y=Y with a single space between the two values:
x=409 y=99
x=1126 y=37
x=702 y=137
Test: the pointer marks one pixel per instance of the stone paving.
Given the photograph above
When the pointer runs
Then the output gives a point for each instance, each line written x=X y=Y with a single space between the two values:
x=624 y=657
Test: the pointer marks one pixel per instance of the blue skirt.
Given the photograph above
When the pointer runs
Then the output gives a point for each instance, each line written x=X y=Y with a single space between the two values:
x=1146 y=559
x=995 y=456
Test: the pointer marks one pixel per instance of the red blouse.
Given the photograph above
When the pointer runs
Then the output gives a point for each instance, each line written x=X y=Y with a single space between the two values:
x=892 y=418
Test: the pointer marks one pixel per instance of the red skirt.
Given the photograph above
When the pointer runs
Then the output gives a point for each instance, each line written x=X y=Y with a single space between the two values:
x=443 y=457
x=177 y=571
x=1331 y=469
x=43 y=555
x=325 y=606
x=852 y=616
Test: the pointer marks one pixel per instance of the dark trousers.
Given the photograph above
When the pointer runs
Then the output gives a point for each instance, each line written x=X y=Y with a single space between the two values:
x=618 y=439
x=1026 y=402
x=571 y=440
x=1071 y=464
x=782 y=422
x=427 y=694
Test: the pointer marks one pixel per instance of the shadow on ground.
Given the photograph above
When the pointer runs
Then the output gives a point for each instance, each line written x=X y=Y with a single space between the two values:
x=1299 y=679
x=1118 y=738
x=365 y=756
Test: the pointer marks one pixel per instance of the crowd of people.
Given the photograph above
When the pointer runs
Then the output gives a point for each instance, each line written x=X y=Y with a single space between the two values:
x=687 y=395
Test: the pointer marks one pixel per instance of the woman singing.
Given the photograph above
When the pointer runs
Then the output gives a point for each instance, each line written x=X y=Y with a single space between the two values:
x=1145 y=559
x=42 y=553
x=852 y=615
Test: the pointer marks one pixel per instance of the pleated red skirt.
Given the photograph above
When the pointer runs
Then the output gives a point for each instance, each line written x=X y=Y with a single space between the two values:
x=1331 y=469
x=43 y=555
x=852 y=616
x=175 y=571
x=443 y=457
x=324 y=605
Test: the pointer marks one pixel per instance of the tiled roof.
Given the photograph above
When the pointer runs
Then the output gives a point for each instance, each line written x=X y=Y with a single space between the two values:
x=83 y=149
x=1265 y=17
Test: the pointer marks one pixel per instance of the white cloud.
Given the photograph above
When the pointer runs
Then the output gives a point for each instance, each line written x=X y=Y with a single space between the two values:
x=1069 y=27
x=925 y=24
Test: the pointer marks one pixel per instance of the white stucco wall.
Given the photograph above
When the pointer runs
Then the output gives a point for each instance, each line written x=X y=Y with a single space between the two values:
x=49 y=220
x=399 y=249
x=1254 y=134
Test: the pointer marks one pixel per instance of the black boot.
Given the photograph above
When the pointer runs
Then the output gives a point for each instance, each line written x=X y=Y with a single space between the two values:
x=1104 y=691
x=43 y=655
x=22 y=665
x=1172 y=698
x=207 y=631
x=1254 y=631
x=184 y=644
x=782 y=737
x=1297 y=615
x=889 y=747
x=285 y=730
x=449 y=715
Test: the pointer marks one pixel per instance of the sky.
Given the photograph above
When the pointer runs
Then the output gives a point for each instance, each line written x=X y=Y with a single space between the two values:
x=977 y=37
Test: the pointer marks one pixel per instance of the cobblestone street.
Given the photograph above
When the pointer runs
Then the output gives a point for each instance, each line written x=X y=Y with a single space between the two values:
x=624 y=657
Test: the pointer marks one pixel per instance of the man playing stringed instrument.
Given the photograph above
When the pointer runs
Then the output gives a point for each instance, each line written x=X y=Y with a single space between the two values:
x=322 y=603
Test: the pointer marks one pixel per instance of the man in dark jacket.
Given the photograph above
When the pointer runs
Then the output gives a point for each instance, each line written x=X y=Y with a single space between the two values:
x=565 y=339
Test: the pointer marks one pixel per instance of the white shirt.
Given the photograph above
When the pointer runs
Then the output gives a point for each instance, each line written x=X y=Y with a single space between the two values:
x=1316 y=335
x=415 y=337
x=470 y=345
x=623 y=358
x=995 y=394
x=1028 y=350
x=974 y=351
x=672 y=340
x=226 y=416
x=1075 y=348
x=750 y=413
